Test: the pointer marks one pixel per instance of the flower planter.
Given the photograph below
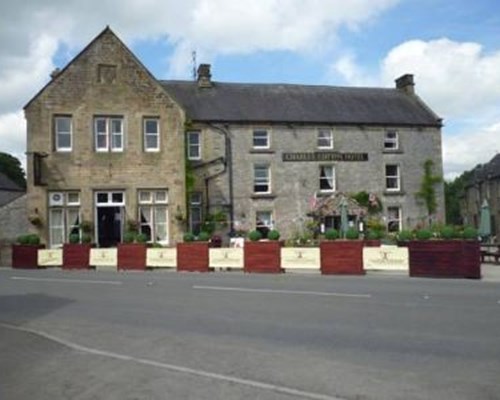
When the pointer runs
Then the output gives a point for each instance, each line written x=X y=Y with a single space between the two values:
x=262 y=257
x=76 y=255
x=192 y=257
x=25 y=255
x=343 y=257
x=132 y=256
x=372 y=243
x=445 y=259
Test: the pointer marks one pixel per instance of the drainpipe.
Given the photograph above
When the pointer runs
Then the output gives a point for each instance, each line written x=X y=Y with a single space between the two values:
x=229 y=164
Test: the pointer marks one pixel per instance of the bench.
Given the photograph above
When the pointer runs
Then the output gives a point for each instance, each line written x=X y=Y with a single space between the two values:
x=490 y=254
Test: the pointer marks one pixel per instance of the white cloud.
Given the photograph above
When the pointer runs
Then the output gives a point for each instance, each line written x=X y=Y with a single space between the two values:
x=13 y=135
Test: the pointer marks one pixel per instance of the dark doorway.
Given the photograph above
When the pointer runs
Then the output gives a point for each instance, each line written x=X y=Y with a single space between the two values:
x=109 y=226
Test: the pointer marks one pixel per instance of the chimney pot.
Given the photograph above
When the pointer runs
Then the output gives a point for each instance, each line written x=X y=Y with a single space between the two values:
x=406 y=84
x=54 y=73
x=204 y=76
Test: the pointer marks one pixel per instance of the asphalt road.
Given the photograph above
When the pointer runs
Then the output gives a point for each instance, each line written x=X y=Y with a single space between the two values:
x=163 y=335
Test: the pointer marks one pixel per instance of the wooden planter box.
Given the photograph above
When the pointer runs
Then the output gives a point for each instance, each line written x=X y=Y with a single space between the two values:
x=192 y=257
x=262 y=257
x=372 y=242
x=342 y=257
x=132 y=256
x=76 y=255
x=25 y=255
x=445 y=258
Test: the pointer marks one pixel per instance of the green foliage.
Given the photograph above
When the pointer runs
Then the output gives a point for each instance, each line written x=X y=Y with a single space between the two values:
x=29 y=239
x=129 y=237
x=141 y=238
x=404 y=235
x=204 y=236
x=86 y=238
x=74 y=238
x=132 y=226
x=372 y=204
x=11 y=167
x=423 y=234
x=255 y=236
x=374 y=234
x=427 y=192
x=273 y=235
x=331 y=234
x=470 y=233
x=447 y=232
x=86 y=226
x=352 y=234
x=189 y=237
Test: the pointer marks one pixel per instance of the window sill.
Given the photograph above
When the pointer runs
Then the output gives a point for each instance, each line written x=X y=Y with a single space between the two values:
x=394 y=193
x=396 y=151
x=268 y=196
x=261 y=151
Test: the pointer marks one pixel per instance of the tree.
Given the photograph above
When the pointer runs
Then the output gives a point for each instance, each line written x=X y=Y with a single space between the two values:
x=453 y=191
x=427 y=192
x=11 y=167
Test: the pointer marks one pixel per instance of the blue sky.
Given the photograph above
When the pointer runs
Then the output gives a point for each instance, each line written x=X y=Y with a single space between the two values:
x=452 y=47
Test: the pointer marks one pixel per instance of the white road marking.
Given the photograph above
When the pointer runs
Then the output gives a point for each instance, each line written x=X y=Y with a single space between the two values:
x=23 y=278
x=277 y=291
x=177 y=368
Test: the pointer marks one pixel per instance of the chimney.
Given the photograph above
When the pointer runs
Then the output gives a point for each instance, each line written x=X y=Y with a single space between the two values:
x=54 y=73
x=204 y=76
x=406 y=84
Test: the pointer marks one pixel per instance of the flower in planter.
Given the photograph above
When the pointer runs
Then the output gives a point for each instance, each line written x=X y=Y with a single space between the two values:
x=331 y=234
x=423 y=234
x=273 y=235
x=470 y=233
x=352 y=234
x=129 y=237
x=29 y=239
x=255 y=236
x=74 y=238
x=404 y=235
x=374 y=234
x=448 y=232
x=203 y=236
x=188 y=237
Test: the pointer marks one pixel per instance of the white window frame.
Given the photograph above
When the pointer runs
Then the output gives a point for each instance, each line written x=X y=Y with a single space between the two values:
x=110 y=202
x=195 y=203
x=264 y=135
x=391 y=220
x=153 y=205
x=67 y=226
x=109 y=134
x=391 y=143
x=265 y=222
x=60 y=148
x=396 y=178
x=322 y=131
x=191 y=145
x=147 y=134
x=321 y=178
x=261 y=181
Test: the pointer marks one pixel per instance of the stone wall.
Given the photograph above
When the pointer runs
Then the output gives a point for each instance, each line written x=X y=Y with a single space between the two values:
x=13 y=222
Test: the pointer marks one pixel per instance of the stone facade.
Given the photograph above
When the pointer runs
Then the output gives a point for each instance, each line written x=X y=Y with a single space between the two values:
x=105 y=80
x=13 y=223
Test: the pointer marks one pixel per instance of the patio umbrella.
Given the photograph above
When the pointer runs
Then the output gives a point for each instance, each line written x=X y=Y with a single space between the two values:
x=485 y=222
x=344 y=221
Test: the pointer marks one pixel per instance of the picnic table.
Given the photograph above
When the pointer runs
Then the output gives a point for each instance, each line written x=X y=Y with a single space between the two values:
x=490 y=252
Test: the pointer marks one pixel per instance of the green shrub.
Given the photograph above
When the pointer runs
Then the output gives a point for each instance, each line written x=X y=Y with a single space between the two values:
x=404 y=235
x=204 y=236
x=30 y=238
x=74 y=238
x=23 y=239
x=374 y=235
x=86 y=238
x=189 y=237
x=141 y=238
x=423 y=234
x=447 y=232
x=470 y=233
x=255 y=236
x=331 y=234
x=129 y=237
x=273 y=235
x=352 y=234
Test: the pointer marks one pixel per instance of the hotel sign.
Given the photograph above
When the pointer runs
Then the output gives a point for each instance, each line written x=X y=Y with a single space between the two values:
x=325 y=156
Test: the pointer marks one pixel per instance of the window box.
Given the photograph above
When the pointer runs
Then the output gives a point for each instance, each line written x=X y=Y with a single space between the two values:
x=262 y=257
x=76 y=255
x=192 y=257
x=343 y=257
x=445 y=258
x=132 y=256
x=25 y=256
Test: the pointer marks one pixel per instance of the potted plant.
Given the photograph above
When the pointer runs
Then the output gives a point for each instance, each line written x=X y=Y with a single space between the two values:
x=373 y=238
x=76 y=253
x=448 y=253
x=193 y=253
x=262 y=256
x=25 y=251
x=343 y=256
x=132 y=251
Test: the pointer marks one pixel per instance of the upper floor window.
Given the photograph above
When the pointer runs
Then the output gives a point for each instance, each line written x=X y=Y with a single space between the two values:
x=108 y=134
x=325 y=139
x=391 y=140
x=63 y=133
x=392 y=177
x=260 y=139
x=327 y=178
x=193 y=145
x=151 y=134
x=261 y=179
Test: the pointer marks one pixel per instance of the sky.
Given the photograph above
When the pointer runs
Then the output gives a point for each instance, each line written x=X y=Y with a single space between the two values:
x=451 y=47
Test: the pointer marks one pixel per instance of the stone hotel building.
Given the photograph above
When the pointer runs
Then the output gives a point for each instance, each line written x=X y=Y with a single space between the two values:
x=108 y=143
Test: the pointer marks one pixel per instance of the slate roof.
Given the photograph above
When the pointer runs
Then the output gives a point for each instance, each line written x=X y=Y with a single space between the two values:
x=483 y=172
x=274 y=103
x=8 y=185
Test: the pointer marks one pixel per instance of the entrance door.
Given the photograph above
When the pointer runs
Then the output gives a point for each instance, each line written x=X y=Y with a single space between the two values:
x=109 y=218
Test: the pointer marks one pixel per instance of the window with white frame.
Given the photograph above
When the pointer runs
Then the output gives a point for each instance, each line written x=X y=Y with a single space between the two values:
x=260 y=139
x=153 y=215
x=151 y=134
x=391 y=140
x=327 y=178
x=392 y=177
x=64 y=217
x=264 y=222
x=325 y=139
x=195 y=212
x=393 y=219
x=261 y=179
x=63 y=133
x=194 y=145
x=108 y=134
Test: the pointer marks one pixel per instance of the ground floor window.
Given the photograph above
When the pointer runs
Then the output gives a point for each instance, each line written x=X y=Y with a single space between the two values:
x=264 y=222
x=393 y=219
x=153 y=215
x=64 y=217
x=195 y=212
